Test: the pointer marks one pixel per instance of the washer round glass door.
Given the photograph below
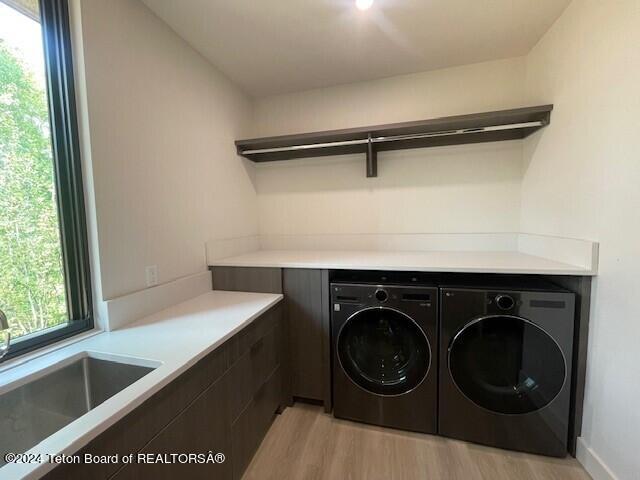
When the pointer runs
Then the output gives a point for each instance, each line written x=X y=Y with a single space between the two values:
x=383 y=351
x=506 y=364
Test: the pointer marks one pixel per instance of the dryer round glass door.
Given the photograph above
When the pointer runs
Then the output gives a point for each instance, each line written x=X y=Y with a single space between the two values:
x=383 y=351
x=506 y=364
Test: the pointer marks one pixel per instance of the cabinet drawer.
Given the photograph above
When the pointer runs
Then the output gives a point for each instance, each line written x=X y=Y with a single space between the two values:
x=241 y=389
x=265 y=356
x=252 y=371
x=259 y=360
x=251 y=426
x=266 y=402
x=201 y=428
x=253 y=332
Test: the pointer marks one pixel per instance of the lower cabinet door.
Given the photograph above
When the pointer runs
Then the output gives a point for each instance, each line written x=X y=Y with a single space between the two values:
x=202 y=428
x=253 y=423
x=303 y=300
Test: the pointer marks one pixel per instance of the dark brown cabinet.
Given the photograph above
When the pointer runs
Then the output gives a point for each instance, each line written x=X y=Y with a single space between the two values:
x=247 y=279
x=306 y=365
x=248 y=430
x=256 y=391
x=202 y=427
x=225 y=404
x=303 y=302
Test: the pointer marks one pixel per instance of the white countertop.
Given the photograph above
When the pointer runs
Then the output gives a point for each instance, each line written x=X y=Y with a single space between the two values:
x=176 y=338
x=433 y=261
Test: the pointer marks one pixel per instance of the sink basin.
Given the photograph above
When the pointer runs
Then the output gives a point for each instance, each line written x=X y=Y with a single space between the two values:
x=41 y=404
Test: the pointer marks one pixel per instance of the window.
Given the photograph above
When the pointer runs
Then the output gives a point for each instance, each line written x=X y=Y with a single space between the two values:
x=44 y=274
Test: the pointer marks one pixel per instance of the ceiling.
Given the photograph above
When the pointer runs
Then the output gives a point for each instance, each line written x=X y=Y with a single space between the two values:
x=277 y=46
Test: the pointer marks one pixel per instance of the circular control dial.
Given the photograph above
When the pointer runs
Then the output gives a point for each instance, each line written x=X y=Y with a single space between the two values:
x=505 y=302
x=381 y=295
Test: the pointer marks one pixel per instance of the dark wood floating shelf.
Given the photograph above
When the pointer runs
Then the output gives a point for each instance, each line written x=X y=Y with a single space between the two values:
x=457 y=130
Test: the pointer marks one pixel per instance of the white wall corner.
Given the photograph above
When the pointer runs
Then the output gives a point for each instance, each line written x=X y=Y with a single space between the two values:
x=230 y=247
x=572 y=251
x=592 y=463
x=123 y=310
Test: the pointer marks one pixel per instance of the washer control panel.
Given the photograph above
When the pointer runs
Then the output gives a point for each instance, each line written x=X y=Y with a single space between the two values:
x=394 y=296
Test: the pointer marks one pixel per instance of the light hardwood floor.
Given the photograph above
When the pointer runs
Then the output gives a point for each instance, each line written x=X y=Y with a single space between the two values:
x=305 y=443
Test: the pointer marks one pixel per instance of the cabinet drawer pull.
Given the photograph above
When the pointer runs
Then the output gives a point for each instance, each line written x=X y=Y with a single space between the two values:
x=256 y=347
x=260 y=392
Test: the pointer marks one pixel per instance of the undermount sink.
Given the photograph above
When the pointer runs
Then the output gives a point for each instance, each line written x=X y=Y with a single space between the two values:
x=39 y=405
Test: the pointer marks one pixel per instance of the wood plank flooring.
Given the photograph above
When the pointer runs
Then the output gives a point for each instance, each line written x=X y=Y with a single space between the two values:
x=305 y=443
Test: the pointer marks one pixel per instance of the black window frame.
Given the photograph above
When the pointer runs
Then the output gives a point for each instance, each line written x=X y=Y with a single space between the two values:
x=65 y=142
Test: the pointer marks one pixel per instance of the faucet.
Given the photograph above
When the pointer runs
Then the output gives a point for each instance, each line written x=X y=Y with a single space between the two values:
x=4 y=327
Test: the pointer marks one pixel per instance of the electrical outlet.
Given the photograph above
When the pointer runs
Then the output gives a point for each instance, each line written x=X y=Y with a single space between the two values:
x=152 y=275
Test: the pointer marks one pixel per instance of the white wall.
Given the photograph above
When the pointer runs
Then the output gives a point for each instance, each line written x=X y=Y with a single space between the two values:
x=582 y=178
x=472 y=188
x=471 y=88
x=468 y=189
x=161 y=122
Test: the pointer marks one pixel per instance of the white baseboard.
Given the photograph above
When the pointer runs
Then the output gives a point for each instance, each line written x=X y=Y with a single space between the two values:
x=123 y=310
x=592 y=463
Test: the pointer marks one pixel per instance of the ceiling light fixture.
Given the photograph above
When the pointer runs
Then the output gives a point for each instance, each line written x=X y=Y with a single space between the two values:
x=364 y=4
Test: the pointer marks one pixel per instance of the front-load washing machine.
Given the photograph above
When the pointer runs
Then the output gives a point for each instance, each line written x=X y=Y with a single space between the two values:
x=384 y=340
x=505 y=367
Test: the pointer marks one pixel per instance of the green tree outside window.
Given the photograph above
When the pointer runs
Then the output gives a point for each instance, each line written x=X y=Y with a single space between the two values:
x=32 y=292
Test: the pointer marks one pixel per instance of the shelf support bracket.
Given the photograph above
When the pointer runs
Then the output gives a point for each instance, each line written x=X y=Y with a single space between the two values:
x=372 y=159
